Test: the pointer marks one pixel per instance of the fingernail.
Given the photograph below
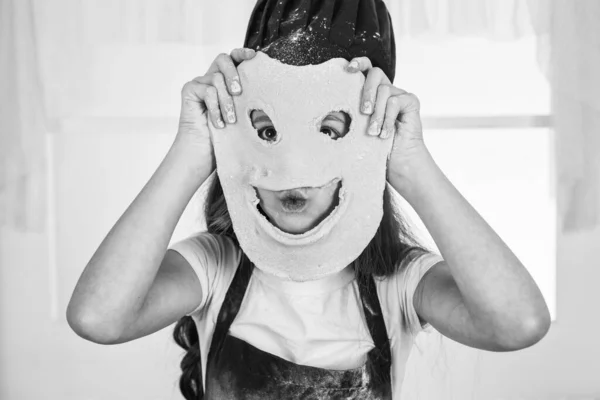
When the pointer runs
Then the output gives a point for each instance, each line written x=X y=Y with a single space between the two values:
x=385 y=133
x=235 y=85
x=367 y=107
x=230 y=113
x=373 y=131
x=220 y=123
x=249 y=52
x=353 y=65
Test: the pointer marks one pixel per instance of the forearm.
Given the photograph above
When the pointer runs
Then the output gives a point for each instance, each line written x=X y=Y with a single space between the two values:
x=114 y=284
x=495 y=286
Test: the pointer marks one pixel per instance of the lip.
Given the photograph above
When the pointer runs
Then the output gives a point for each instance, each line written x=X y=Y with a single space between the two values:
x=298 y=193
x=312 y=235
x=293 y=204
x=294 y=201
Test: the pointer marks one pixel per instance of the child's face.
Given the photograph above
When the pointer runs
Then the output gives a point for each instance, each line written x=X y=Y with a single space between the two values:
x=302 y=178
x=299 y=209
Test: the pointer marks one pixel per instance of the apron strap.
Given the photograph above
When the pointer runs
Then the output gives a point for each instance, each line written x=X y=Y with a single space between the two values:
x=379 y=359
x=228 y=312
x=232 y=302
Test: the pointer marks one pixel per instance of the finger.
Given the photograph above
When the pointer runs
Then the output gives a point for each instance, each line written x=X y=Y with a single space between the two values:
x=224 y=64
x=408 y=112
x=359 y=64
x=392 y=110
x=375 y=77
x=376 y=121
x=225 y=99
x=242 y=54
x=198 y=94
x=238 y=56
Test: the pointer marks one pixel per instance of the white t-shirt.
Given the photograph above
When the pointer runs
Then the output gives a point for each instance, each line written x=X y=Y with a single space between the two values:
x=316 y=323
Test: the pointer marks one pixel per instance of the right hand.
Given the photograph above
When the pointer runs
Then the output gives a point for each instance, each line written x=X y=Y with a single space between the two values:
x=209 y=97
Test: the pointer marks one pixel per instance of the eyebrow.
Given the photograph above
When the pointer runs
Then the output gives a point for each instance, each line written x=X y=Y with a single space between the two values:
x=330 y=116
x=261 y=118
x=265 y=118
x=334 y=116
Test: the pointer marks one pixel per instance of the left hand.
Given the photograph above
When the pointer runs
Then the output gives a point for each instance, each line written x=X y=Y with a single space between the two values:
x=393 y=111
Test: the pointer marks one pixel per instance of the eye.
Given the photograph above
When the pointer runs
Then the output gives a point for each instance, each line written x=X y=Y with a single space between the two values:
x=332 y=133
x=268 y=134
x=336 y=124
x=264 y=126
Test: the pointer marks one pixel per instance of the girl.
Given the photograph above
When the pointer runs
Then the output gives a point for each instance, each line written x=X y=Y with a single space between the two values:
x=250 y=333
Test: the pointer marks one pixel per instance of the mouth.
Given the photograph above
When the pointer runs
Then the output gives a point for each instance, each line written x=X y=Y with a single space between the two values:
x=293 y=204
x=295 y=201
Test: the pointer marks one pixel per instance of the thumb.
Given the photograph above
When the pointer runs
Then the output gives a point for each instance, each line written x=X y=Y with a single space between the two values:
x=409 y=117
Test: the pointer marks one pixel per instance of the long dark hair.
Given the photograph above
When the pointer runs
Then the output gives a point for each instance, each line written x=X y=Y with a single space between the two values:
x=390 y=250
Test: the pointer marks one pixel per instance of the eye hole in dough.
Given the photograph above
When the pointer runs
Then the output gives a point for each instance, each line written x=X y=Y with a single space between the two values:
x=336 y=124
x=264 y=126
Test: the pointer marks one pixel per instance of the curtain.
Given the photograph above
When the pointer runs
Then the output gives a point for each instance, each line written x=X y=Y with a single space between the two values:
x=22 y=120
x=572 y=48
x=45 y=61
x=493 y=19
x=568 y=39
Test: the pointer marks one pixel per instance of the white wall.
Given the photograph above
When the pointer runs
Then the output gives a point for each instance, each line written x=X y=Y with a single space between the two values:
x=97 y=176
x=564 y=365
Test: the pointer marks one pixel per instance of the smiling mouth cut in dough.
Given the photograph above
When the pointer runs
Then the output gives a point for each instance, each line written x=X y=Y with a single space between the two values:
x=324 y=225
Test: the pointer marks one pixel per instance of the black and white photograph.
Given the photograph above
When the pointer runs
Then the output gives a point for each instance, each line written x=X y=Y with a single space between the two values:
x=299 y=199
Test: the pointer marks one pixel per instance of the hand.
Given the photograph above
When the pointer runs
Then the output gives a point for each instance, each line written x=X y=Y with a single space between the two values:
x=209 y=97
x=393 y=112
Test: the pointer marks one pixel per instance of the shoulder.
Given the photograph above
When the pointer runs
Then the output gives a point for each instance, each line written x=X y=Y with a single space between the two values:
x=214 y=259
x=410 y=271
x=396 y=292
x=208 y=249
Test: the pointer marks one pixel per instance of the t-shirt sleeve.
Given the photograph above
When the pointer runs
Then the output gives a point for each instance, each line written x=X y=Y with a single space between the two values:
x=407 y=281
x=210 y=256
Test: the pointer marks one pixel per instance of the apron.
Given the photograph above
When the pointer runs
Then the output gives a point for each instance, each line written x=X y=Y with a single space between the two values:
x=237 y=370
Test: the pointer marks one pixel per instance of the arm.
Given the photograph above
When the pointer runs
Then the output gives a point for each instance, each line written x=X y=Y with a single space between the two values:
x=114 y=285
x=481 y=295
x=132 y=286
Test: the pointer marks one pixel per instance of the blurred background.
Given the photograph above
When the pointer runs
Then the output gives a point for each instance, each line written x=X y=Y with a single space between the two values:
x=89 y=104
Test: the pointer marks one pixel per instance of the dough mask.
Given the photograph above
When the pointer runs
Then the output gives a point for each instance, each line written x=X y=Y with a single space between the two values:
x=296 y=99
